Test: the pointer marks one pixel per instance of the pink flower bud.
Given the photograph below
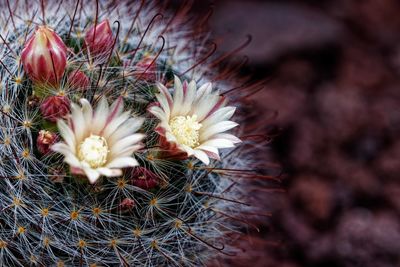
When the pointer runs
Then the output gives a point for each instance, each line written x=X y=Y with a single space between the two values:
x=143 y=178
x=45 y=140
x=146 y=69
x=99 y=41
x=44 y=56
x=55 y=107
x=78 y=80
x=127 y=204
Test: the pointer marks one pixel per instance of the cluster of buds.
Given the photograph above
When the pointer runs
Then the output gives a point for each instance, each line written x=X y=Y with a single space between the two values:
x=44 y=56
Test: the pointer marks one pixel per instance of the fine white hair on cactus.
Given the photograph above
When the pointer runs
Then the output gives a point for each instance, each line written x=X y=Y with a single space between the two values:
x=172 y=210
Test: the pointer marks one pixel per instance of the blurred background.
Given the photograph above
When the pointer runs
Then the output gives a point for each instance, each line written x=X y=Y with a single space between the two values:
x=333 y=68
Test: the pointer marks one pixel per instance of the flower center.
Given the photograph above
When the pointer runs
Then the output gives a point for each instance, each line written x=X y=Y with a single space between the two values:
x=186 y=130
x=93 y=150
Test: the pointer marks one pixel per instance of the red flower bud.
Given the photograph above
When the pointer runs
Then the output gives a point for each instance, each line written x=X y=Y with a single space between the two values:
x=78 y=80
x=146 y=69
x=127 y=204
x=55 y=107
x=143 y=178
x=45 y=140
x=44 y=56
x=99 y=40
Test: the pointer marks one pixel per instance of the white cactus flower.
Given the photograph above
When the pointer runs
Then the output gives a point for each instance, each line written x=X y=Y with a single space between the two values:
x=195 y=119
x=99 y=142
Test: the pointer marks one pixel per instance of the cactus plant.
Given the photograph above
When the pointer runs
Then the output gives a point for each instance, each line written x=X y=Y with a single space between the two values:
x=83 y=183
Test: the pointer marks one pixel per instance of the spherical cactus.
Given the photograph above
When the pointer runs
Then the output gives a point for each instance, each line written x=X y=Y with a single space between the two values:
x=110 y=166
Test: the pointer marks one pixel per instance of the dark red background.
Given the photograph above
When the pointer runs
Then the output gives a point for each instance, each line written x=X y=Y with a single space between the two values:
x=334 y=70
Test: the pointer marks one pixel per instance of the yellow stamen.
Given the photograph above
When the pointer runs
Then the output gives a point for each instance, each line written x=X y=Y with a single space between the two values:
x=93 y=150
x=186 y=130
